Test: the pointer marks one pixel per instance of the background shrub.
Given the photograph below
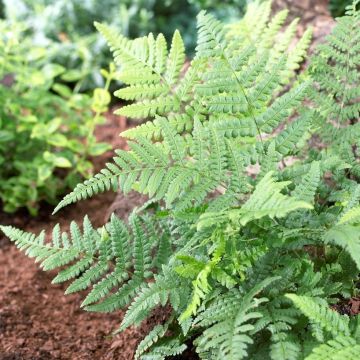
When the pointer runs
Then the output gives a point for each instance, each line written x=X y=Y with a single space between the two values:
x=46 y=129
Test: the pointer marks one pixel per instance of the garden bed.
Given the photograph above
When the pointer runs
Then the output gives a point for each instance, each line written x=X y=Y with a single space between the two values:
x=240 y=243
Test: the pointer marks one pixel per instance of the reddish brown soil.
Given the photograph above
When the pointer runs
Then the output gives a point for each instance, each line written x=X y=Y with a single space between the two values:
x=348 y=307
x=36 y=320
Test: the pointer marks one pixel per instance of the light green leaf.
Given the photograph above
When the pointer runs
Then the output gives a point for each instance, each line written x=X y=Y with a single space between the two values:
x=59 y=140
x=101 y=98
x=44 y=172
x=62 y=162
x=98 y=149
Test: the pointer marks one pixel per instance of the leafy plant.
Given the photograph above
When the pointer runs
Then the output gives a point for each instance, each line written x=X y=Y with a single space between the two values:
x=335 y=97
x=247 y=248
x=46 y=131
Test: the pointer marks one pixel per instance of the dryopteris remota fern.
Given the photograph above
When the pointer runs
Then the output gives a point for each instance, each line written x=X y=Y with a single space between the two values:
x=223 y=245
x=342 y=335
x=207 y=119
x=335 y=69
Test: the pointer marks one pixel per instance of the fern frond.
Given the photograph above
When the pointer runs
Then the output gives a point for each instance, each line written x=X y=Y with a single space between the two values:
x=328 y=319
x=269 y=161
x=353 y=201
x=96 y=259
x=60 y=252
x=286 y=37
x=267 y=200
x=166 y=287
x=352 y=216
x=281 y=108
x=335 y=69
x=150 y=339
x=306 y=190
x=210 y=36
x=156 y=346
x=234 y=127
x=150 y=108
x=158 y=173
x=297 y=55
x=257 y=15
x=142 y=91
x=285 y=348
x=228 y=322
x=339 y=348
x=273 y=28
x=152 y=129
x=347 y=237
x=288 y=139
x=201 y=288
x=160 y=70
x=176 y=59
x=168 y=347
x=255 y=27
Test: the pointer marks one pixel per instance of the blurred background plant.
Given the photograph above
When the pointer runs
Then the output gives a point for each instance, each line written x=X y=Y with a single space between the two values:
x=66 y=28
x=46 y=129
x=337 y=7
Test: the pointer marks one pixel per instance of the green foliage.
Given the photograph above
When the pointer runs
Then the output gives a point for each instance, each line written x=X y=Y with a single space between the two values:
x=347 y=237
x=336 y=349
x=338 y=7
x=321 y=315
x=228 y=323
x=343 y=345
x=46 y=130
x=248 y=236
x=221 y=118
x=335 y=70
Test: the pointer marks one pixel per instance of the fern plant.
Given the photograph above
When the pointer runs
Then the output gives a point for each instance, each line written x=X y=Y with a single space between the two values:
x=335 y=108
x=342 y=332
x=245 y=249
x=221 y=107
x=335 y=70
